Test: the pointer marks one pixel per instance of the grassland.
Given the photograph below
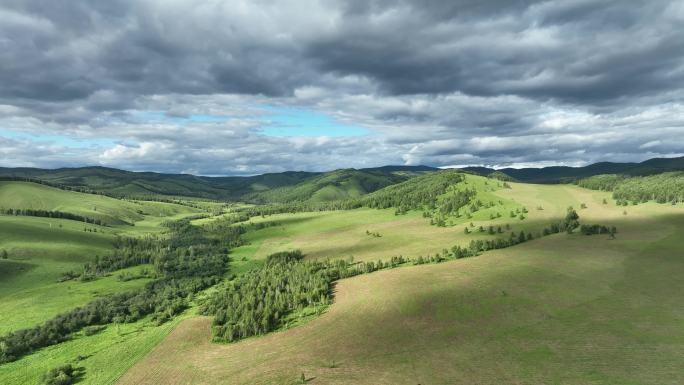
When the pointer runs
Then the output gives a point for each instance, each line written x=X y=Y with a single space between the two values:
x=40 y=250
x=104 y=356
x=567 y=309
x=342 y=234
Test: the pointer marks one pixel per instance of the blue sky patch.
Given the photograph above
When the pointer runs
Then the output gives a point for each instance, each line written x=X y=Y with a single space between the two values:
x=290 y=121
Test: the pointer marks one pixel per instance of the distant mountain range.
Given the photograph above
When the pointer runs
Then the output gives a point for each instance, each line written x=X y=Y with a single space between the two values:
x=556 y=174
x=300 y=185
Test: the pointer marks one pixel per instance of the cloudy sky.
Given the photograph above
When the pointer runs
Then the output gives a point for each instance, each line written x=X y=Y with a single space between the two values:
x=244 y=87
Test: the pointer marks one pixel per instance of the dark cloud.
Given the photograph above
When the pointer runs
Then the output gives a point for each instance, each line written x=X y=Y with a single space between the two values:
x=579 y=52
x=436 y=82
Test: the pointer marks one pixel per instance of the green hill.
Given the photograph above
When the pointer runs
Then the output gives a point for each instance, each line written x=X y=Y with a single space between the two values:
x=40 y=250
x=330 y=186
x=123 y=183
x=665 y=187
x=290 y=185
x=301 y=185
x=27 y=195
x=501 y=176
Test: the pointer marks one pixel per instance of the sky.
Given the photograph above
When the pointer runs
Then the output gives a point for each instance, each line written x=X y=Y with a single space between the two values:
x=246 y=87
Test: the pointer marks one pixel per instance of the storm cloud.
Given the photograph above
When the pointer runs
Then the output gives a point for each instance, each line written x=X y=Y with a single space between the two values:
x=183 y=86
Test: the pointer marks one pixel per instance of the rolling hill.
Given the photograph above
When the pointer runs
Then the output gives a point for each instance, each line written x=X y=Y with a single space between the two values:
x=301 y=185
x=334 y=185
x=121 y=183
x=27 y=195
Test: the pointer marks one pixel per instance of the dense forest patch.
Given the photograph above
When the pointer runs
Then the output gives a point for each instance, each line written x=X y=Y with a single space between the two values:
x=663 y=188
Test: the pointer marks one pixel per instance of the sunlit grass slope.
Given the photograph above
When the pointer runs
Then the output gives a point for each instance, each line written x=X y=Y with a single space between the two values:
x=104 y=356
x=39 y=251
x=564 y=309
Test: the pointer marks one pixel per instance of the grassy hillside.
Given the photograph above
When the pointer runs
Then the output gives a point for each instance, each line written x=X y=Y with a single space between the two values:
x=330 y=186
x=568 y=309
x=26 y=195
x=35 y=252
x=344 y=233
x=40 y=250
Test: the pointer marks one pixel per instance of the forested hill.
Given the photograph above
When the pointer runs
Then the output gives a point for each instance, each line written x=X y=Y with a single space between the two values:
x=334 y=185
x=662 y=188
x=568 y=174
x=303 y=185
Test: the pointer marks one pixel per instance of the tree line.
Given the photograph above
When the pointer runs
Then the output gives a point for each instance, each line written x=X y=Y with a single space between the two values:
x=667 y=187
x=51 y=214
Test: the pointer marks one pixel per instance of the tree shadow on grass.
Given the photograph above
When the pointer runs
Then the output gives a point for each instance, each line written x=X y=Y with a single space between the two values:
x=79 y=374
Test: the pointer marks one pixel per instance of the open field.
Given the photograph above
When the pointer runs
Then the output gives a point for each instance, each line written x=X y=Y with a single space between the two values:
x=568 y=309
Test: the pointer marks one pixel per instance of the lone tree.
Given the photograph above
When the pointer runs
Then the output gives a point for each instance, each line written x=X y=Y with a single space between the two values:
x=571 y=221
x=3 y=254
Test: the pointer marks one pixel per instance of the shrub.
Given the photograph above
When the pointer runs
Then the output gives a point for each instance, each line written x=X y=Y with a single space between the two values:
x=61 y=375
